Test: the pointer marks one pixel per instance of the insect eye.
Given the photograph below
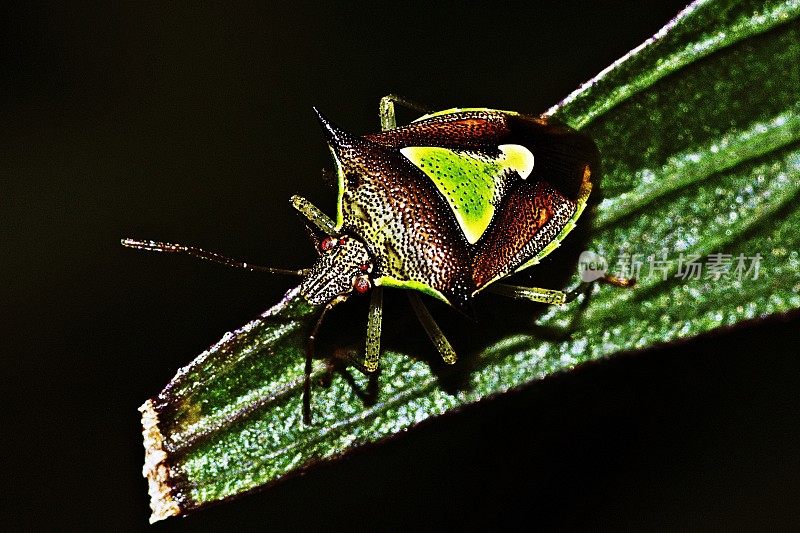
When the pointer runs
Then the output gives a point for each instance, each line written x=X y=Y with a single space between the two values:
x=353 y=180
x=361 y=284
x=328 y=243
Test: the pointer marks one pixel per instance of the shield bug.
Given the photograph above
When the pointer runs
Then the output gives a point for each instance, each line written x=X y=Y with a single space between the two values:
x=448 y=206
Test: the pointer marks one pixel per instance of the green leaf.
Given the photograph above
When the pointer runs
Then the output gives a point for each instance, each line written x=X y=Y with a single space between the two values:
x=699 y=129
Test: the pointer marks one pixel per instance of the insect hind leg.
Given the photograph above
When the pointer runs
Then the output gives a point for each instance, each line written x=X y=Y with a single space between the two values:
x=608 y=279
x=554 y=297
x=386 y=109
x=532 y=294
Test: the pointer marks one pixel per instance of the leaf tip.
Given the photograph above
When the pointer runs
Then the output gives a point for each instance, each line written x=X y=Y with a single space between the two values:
x=156 y=469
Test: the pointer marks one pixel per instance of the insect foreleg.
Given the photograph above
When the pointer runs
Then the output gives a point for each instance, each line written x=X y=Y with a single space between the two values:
x=369 y=363
x=374 y=324
x=432 y=329
x=310 y=345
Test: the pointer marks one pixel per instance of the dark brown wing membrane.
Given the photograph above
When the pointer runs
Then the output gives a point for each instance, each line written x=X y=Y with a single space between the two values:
x=530 y=217
x=560 y=152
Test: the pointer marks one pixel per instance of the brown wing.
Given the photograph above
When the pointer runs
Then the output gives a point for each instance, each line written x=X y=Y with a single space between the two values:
x=465 y=129
x=561 y=153
x=531 y=216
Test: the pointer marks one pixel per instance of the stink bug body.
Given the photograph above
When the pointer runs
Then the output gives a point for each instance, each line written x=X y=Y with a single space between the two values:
x=458 y=199
x=447 y=206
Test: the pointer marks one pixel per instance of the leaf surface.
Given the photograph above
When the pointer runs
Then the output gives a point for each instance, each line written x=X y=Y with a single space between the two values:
x=699 y=131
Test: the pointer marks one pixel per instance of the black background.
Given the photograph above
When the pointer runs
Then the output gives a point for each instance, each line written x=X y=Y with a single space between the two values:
x=194 y=124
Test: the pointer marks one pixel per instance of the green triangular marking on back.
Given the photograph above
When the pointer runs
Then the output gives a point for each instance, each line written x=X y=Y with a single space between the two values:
x=471 y=182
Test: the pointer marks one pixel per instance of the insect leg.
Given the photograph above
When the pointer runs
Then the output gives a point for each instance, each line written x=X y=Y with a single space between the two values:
x=309 y=359
x=315 y=240
x=153 y=246
x=550 y=296
x=386 y=110
x=374 y=323
x=319 y=219
x=533 y=294
x=432 y=329
x=369 y=363
x=622 y=283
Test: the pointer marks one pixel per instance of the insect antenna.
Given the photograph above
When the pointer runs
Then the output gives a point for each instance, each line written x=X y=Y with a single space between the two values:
x=154 y=246
x=314 y=238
